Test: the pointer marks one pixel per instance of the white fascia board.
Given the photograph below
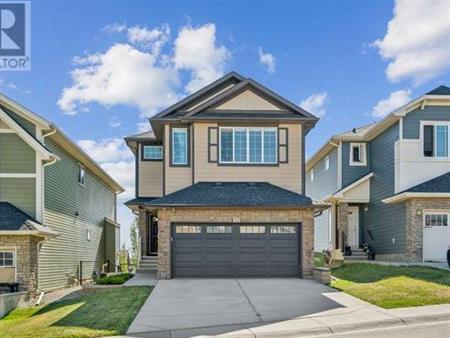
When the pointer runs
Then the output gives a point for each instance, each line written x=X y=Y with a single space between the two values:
x=30 y=140
x=407 y=195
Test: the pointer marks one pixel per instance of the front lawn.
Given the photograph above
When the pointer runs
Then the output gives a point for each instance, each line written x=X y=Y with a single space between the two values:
x=393 y=286
x=103 y=313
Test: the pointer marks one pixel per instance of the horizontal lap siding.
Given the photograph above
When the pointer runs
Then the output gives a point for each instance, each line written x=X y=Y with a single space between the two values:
x=384 y=221
x=20 y=192
x=325 y=183
x=64 y=196
x=16 y=156
x=285 y=175
x=411 y=122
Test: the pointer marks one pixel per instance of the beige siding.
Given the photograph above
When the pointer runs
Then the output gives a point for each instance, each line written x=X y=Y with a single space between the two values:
x=20 y=192
x=150 y=177
x=176 y=177
x=189 y=108
x=3 y=125
x=287 y=175
x=16 y=156
x=248 y=100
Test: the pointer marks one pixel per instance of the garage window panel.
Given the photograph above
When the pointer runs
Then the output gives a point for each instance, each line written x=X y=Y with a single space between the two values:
x=282 y=229
x=218 y=229
x=188 y=229
x=252 y=229
x=435 y=218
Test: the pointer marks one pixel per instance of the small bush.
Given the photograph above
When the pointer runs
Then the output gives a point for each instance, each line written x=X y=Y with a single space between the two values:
x=319 y=259
x=115 y=279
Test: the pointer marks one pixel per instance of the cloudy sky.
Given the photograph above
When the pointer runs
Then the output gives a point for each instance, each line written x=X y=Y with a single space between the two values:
x=101 y=68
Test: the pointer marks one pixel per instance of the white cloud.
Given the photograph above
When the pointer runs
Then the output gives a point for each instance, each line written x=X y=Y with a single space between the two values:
x=115 y=28
x=121 y=75
x=143 y=127
x=123 y=172
x=153 y=39
x=13 y=86
x=115 y=122
x=267 y=60
x=394 y=101
x=107 y=150
x=316 y=104
x=196 y=50
x=417 y=41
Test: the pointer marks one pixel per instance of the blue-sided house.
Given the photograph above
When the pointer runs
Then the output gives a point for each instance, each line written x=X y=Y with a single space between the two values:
x=388 y=184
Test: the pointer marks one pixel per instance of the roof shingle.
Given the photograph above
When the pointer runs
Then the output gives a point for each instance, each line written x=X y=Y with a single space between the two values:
x=440 y=184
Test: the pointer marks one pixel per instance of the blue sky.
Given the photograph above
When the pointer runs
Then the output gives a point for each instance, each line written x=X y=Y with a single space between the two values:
x=132 y=59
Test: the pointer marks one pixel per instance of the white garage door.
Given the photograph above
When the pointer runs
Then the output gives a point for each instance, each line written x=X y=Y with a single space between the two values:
x=436 y=235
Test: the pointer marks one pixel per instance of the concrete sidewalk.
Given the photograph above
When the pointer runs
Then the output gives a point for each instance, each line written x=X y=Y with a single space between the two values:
x=353 y=316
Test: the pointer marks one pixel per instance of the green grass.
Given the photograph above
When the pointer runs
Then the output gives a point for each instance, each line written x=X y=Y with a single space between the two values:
x=103 y=313
x=319 y=259
x=391 y=287
x=115 y=279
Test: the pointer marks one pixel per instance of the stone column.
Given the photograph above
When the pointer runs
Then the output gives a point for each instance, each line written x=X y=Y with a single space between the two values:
x=142 y=225
x=308 y=244
x=164 y=245
x=342 y=210
x=414 y=232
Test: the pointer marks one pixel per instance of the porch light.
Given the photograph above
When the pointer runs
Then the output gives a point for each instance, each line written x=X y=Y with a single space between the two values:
x=419 y=212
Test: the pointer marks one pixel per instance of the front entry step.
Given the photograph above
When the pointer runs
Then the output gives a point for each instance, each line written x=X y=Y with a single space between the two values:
x=148 y=264
x=357 y=255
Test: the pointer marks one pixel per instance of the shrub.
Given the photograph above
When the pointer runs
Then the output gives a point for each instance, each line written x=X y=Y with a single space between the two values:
x=115 y=279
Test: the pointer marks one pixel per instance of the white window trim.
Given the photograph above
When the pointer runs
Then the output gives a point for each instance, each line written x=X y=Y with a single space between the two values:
x=80 y=166
x=152 y=146
x=185 y=131
x=327 y=162
x=434 y=124
x=248 y=129
x=363 y=163
x=13 y=250
x=435 y=211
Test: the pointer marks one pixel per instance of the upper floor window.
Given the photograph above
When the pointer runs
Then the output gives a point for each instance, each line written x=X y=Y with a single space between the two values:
x=436 y=141
x=6 y=259
x=358 y=155
x=327 y=162
x=248 y=145
x=81 y=174
x=179 y=146
x=311 y=175
x=152 y=152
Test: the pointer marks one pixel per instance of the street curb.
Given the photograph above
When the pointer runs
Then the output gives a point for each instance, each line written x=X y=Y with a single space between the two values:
x=307 y=332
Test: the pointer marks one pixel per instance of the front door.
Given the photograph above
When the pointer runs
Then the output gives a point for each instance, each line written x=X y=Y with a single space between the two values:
x=353 y=227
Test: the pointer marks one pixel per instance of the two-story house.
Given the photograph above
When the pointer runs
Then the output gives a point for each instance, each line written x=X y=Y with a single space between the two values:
x=57 y=206
x=220 y=184
x=388 y=183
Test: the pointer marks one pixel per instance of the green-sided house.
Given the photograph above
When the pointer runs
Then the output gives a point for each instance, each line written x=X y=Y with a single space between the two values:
x=57 y=206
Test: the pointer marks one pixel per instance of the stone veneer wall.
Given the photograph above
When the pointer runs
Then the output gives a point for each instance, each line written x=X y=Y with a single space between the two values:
x=26 y=259
x=167 y=216
x=342 y=225
x=142 y=225
x=414 y=224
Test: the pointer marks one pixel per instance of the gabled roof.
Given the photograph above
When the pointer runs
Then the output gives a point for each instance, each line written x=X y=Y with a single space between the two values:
x=438 y=187
x=441 y=90
x=439 y=95
x=198 y=105
x=12 y=219
x=233 y=194
x=53 y=132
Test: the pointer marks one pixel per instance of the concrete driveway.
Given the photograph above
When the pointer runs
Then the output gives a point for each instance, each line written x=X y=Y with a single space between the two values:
x=195 y=303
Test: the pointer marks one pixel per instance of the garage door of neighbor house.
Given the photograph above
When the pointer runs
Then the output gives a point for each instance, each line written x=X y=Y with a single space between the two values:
x=235 y=250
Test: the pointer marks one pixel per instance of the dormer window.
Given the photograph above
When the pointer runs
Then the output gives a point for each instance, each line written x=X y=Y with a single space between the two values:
x=358 y=154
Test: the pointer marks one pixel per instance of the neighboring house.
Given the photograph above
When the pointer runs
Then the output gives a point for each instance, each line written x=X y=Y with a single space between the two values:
x=219 y=185
x=388 y=183
x=57 y=206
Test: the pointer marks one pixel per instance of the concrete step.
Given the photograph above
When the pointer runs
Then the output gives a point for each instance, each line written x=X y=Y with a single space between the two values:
x=355 y=258
x=148 y=266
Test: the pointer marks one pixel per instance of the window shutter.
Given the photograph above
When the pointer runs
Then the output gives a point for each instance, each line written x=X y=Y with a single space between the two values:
x=283 y=145
x=428 y=141
x=213 y=141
